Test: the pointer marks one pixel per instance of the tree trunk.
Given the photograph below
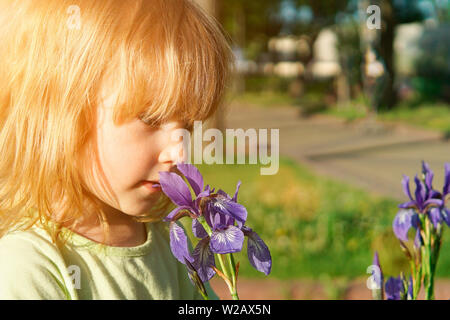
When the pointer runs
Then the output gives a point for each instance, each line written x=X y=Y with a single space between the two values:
x=386 y=49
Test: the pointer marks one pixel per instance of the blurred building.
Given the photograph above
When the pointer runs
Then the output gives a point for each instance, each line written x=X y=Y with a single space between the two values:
x=325 y=62
x=285 y=53
x=406 y=46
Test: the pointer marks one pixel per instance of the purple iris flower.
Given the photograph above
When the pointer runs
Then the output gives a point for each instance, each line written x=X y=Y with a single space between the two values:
x=427 y=201
x=257 y=251
x=224 y=216
x=227 y=237
x=394 y=288
x=423 y=200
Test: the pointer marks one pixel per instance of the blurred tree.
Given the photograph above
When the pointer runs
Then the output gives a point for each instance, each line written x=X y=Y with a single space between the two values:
x=432 y=65
x=313 y=16
x=393 y=12
x=252 y=24
x=390 y=18
x=349 y=81
x=323 y=15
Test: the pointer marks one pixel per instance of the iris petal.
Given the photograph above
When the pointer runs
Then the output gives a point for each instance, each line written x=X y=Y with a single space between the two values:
x=179 y=243
x=198 y=230
x=420 y=193
x=192 y=175
x=428 y=176
x=223 y=193
x=377 y=276
x=230 y=208
x=415 y=221
x=435 y=194
x=204 y=260
x=447 y=180
x=433 y=203
x=175 y=212
x=402 y=223
x=236 y=192
x=175 y=188
x=418 y=239
x=394 y=288
x=258 y=252
x=406 y=190
x=227 y=240
x=435 y=216
x=408 y=205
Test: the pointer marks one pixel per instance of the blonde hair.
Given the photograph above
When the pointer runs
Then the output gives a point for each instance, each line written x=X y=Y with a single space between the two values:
x=167 y=59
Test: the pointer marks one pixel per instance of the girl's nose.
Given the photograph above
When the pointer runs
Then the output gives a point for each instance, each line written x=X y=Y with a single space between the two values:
x=174 y=152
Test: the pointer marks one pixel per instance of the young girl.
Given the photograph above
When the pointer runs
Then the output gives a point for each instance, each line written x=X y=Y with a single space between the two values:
x=90 y=94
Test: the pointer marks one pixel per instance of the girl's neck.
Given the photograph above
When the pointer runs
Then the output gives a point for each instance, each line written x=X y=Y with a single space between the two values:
x=124 y=234
x=124 y=231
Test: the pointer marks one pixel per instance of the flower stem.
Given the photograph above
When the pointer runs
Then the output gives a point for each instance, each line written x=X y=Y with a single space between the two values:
x=428 y=261
x=232 y=268
x=223 y=267
x=233 y=275
x=205 y=297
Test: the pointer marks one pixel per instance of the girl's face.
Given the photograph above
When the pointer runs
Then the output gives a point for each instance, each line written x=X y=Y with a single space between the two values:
x=129 y=155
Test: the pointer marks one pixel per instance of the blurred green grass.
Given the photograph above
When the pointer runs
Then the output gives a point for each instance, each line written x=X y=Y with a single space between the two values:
x=315 y=227
x=268 y=99
x=428 y=115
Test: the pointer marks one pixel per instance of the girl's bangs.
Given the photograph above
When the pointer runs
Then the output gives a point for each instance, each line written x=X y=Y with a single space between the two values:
x=174 y=67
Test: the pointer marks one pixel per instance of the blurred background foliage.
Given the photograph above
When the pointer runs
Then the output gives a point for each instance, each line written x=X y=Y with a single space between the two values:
x=278 y=39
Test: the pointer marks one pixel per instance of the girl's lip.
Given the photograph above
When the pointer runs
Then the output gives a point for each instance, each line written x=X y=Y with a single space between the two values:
x=153 y=184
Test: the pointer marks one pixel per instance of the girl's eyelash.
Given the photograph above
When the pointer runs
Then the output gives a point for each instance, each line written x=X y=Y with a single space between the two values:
x=186 y=125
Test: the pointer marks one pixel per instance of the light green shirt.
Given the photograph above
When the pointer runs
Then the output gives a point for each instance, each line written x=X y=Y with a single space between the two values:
x=33 y=267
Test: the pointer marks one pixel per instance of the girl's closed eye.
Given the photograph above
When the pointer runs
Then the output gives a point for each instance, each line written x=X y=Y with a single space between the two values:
x=187 y=125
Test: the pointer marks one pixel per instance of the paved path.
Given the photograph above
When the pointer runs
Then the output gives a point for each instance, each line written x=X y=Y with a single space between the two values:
x=362 y=153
